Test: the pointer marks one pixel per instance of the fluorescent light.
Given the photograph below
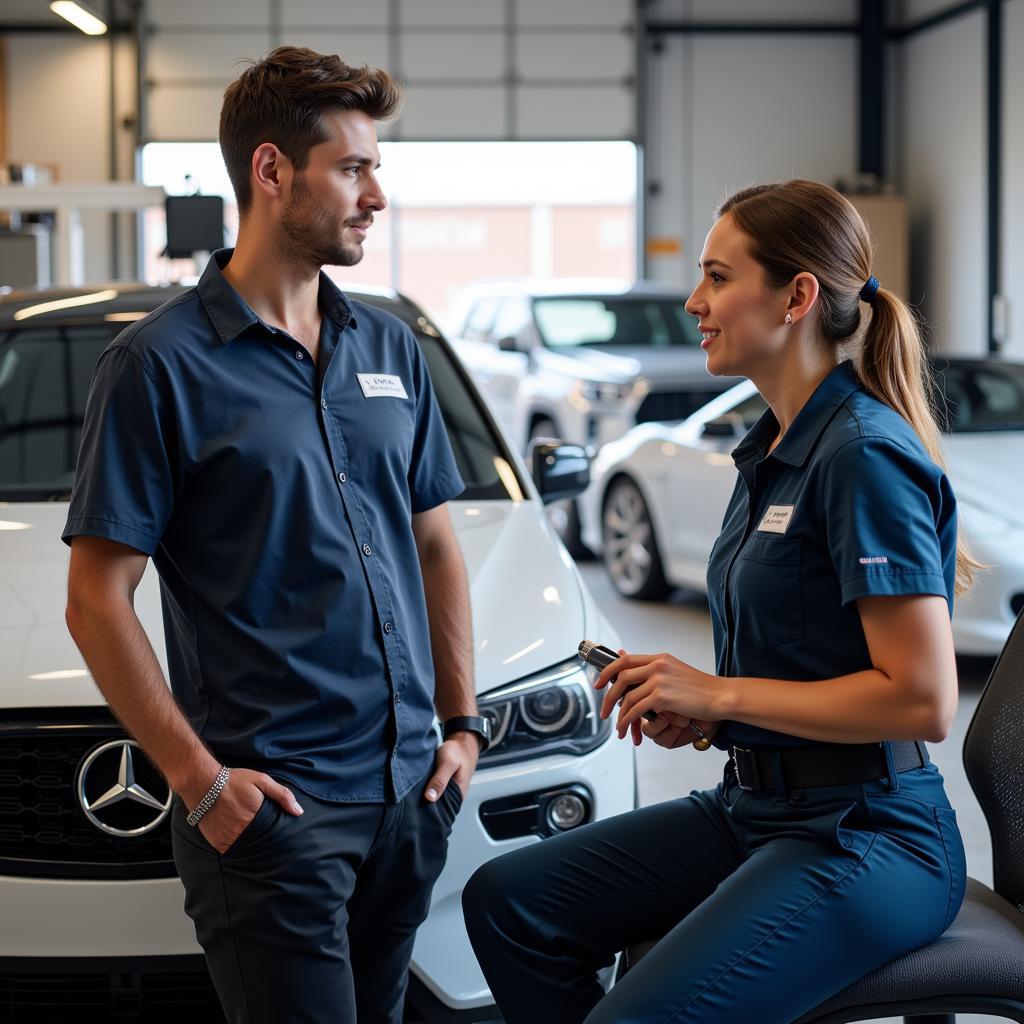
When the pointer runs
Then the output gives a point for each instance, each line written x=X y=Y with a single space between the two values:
x=79 y=16
x=63 y=673
x=8 y=524
x=77 y=300
x=124 y=318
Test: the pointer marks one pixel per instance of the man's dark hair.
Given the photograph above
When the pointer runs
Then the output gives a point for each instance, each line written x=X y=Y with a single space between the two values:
x=282 y=99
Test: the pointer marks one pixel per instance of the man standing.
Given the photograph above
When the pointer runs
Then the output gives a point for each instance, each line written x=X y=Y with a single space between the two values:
x=278 y=452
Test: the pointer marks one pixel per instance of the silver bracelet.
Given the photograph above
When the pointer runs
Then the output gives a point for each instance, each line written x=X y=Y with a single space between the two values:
x=211 y=797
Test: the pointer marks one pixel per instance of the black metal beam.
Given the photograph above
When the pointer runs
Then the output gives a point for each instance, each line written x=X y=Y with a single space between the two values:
x=811 y=27
x=58 y=27
x=994 y=102
x=872 y=87
x=726 y=28
x=934 y=20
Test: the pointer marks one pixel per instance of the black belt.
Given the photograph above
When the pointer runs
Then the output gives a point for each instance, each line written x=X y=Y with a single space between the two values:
x=824 y=764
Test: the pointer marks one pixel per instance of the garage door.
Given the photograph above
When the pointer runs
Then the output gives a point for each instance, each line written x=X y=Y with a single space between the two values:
x=473 y=69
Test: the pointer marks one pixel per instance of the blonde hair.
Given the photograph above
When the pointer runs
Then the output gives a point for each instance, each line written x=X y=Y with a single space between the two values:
x=803 y=226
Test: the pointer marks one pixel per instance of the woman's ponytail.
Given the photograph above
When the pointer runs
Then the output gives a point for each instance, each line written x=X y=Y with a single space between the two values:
x=893 y=367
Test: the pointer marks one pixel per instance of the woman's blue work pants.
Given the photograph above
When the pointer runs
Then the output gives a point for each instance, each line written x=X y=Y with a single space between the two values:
x=768 y=903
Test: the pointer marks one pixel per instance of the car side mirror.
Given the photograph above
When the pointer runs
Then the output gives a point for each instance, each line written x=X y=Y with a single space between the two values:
x=510 y=343
x=560 y=470
x=722 y=426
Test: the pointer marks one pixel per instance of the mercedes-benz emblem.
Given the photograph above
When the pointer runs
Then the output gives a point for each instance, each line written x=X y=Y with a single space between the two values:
x=121 y=791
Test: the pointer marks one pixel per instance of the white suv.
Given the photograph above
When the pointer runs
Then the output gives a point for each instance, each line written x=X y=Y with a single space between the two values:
x=581 y=360
x=91 y=905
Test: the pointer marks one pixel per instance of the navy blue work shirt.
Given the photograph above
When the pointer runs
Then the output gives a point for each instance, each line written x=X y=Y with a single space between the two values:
x=275 y=497
x=849 y=504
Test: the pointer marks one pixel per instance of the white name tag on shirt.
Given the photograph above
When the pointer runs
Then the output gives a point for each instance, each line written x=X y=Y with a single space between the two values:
x=381 y=385
x=776 y=519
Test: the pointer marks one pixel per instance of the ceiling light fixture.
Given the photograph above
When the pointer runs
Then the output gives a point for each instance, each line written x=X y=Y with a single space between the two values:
x=79 y=16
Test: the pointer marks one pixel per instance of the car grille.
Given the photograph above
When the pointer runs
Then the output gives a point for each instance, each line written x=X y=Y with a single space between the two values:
x=124 y=992
x=43 y=829
x=667 y=406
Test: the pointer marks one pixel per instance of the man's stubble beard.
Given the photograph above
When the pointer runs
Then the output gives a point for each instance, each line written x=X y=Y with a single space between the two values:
x=311 y=235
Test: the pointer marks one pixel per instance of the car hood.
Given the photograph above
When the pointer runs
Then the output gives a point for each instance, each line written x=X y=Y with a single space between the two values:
x=679 y=366
x=528 y=609
x=664 y=369
x=982 y=474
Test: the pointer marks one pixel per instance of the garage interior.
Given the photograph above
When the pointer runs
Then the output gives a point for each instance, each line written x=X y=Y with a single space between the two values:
x=913 y=108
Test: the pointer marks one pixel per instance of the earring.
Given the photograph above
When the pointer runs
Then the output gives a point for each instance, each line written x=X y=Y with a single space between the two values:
x=789 y=318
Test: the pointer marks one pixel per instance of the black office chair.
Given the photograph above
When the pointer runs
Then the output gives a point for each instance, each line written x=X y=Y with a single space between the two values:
x=977 y=964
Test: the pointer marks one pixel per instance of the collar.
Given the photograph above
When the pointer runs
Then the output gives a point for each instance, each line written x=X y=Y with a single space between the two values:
x=809 y=425
x=230 y=314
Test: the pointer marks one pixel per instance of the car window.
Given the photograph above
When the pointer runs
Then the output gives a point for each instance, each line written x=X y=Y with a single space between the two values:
x=478 y=323
x=566 y=322
x=484 y=466
x=688 y=324
x=44 y=382
x=512 y=317
x=45 y=374
x=976 y=397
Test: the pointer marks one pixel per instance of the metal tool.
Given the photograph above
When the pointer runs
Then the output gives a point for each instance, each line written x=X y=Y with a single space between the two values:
x=601 y=657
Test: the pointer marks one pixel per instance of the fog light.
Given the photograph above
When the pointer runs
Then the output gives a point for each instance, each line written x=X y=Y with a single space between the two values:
x=566 y=812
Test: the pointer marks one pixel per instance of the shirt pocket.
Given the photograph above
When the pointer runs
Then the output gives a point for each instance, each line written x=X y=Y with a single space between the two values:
x=767 y=590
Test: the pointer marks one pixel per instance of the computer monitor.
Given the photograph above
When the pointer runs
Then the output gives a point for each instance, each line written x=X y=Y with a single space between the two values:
x=194 y=224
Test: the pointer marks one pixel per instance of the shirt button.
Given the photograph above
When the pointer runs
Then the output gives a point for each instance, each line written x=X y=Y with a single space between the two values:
x=388 y=627
x=367 y=550
x=342 y=478
x=398 y=698
x=298 y=354
x=323 y=403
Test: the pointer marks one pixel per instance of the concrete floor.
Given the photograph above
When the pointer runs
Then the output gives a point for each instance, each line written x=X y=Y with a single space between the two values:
x=682 y=626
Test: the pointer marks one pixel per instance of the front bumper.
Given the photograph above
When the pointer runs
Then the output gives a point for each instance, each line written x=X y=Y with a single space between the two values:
x=154 y=989
x=83 y=926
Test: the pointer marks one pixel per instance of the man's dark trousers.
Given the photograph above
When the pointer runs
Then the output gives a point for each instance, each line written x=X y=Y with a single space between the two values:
x=311 y=919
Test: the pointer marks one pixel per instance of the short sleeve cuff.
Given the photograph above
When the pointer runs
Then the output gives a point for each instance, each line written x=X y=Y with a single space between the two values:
x=893 y=584
x=110 y=529
x=445 y=489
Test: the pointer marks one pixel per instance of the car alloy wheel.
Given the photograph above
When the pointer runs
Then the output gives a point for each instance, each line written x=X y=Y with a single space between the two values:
x=629 y=548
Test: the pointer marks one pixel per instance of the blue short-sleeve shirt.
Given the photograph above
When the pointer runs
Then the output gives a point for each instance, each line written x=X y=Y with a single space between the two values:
x=275 y=496
x=849 y=504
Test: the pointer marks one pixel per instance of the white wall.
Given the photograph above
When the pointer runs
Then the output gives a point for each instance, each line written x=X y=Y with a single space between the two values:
x=726 y=111
x=58 y=96
x=944 y=178
x=731 y=110
x=1013 y=174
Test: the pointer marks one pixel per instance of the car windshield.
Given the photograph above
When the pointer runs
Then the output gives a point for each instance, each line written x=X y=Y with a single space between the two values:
x=45 y=373
x=569 y=321
x=980 y=397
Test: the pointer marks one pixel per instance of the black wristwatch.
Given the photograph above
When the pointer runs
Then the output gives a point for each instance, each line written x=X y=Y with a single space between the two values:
x=470 y=723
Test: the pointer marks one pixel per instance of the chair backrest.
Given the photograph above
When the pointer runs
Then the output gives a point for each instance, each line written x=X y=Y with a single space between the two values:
x=994 y=759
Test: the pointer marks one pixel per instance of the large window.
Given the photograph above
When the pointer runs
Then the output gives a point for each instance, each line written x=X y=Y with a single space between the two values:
x=459 y=212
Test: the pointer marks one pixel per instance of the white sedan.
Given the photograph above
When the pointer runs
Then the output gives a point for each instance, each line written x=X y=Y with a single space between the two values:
x=659 y=493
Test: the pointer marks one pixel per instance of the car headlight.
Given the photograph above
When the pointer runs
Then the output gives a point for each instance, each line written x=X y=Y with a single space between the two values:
x=555 y=711
x=606 y=391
